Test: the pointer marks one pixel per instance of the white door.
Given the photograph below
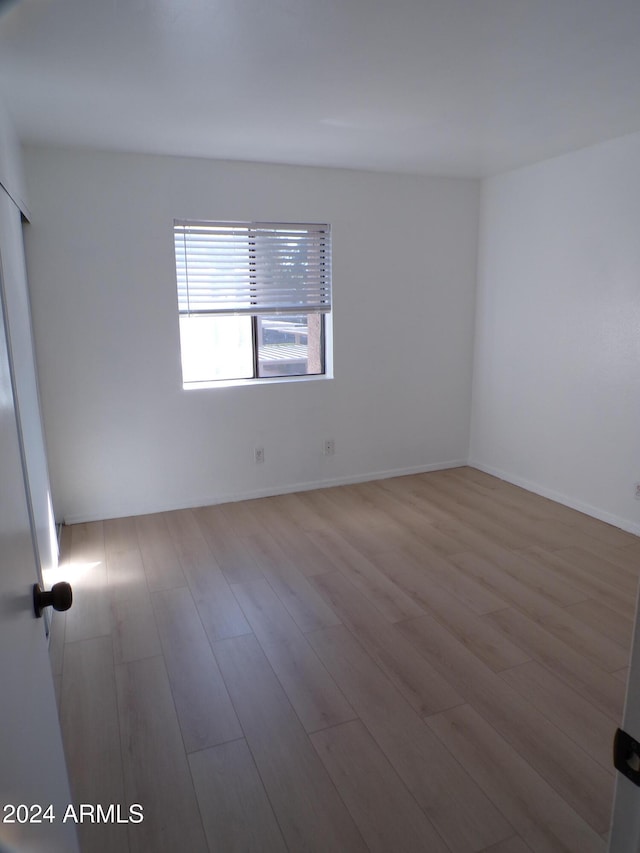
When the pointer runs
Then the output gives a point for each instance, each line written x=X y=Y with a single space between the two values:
x=32 y=766
x=625 y=830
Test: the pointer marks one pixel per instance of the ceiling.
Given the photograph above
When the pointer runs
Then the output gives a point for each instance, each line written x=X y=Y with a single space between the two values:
x=445 y=87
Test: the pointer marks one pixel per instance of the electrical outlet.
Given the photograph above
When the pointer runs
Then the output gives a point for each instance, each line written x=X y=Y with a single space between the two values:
x=259 y=455
x=329 y=447
x=637 y=492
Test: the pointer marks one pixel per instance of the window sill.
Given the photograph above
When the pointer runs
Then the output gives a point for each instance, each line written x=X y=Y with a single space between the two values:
x=237 y=383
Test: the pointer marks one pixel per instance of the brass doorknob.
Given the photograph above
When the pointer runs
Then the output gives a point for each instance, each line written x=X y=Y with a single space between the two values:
x=60 y=597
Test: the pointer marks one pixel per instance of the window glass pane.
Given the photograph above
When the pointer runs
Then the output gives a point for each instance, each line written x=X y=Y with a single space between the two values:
x=290 y=345
x=215 y=348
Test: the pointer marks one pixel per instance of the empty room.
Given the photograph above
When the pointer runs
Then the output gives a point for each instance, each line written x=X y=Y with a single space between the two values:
x=319 y=426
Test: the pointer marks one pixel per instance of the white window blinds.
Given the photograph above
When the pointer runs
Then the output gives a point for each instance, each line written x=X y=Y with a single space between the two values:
x=252 y=268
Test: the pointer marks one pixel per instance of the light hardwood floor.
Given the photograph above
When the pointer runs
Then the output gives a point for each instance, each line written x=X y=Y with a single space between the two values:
x=429 y=663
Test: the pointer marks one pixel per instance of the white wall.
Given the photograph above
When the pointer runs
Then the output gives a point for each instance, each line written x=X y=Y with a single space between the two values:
x=11 y=172
x=556 y=400
x=123 y=436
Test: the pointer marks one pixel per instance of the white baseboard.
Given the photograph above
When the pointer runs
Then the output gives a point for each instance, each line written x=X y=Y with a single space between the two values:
x=124 y=510
x=572 y=503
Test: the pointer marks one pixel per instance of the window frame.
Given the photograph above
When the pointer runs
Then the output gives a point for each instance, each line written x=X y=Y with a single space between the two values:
x=325 y=314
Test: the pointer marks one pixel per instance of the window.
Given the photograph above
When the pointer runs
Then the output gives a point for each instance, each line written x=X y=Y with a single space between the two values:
x=253 y=300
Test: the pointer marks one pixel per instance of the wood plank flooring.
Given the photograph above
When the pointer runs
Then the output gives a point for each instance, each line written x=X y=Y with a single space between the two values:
x=430 y=663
